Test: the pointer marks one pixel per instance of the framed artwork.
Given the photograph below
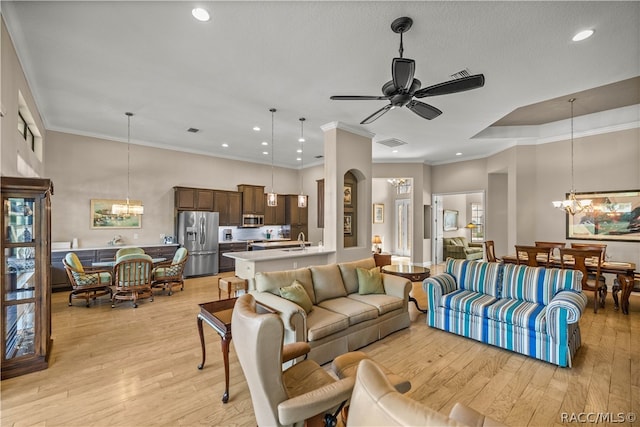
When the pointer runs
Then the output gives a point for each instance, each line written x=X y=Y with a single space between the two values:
x=101 y=216
x=347 y=225
x=614 y=215
x=450 y=220
x=347 y=195
x=378 y=213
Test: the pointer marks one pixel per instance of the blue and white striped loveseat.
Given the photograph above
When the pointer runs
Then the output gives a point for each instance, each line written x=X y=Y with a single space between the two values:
x=529 y=310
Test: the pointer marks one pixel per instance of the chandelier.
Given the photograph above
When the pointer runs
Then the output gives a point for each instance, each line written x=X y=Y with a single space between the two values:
x=302 y=199
x=572 y=205
x=128 y=208
x=272 y=197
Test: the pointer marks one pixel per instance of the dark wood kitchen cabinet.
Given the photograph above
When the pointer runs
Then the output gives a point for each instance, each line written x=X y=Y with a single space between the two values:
x=229 y=205
x=225 y=263
x=197 y=199
x=297 y=218
x=253 y=200
x=275 y=215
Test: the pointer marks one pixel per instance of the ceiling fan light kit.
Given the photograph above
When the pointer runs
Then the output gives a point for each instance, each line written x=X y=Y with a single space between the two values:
x=401 y=90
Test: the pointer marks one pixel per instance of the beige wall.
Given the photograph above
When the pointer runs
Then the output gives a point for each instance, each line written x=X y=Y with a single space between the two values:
x=537 y=175
x=12 y=81
x=84 y=168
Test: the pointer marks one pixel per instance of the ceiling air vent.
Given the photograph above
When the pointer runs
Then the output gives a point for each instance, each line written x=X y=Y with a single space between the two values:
x=193 y=130
x=392 y=142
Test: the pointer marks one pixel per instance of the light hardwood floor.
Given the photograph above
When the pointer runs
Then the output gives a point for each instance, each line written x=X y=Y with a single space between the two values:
x=138 y=367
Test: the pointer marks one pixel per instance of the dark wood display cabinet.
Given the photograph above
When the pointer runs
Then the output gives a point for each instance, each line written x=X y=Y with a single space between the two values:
x=26 y=287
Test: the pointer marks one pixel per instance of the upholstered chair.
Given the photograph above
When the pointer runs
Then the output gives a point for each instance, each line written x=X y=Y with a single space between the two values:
x=128 y=251
x=87 y=282
x=281 y=398
x=168 y=274
x=375 y=402
x=132 y=278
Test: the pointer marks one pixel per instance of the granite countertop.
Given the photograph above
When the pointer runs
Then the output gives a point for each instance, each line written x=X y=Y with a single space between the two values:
x=258 y=256
x=95 y=248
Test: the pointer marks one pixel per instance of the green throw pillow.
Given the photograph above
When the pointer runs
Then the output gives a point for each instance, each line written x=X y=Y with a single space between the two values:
x=369 y=281
x=296 y=293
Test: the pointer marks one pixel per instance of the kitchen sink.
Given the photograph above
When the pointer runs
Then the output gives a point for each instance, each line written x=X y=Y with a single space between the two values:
x=294 y=249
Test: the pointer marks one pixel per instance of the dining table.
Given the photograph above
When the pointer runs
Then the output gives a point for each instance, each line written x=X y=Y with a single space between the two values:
x=619 y=268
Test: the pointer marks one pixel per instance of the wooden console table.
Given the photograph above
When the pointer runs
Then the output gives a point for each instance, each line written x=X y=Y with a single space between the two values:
x=217 y=314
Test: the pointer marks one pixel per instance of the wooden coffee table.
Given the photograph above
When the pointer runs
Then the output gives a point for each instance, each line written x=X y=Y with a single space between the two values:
x=414 y=273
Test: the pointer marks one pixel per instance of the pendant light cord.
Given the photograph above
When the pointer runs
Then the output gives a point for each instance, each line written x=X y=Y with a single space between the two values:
x=572 y=185
x=273 y=110
x=302 y=119
x=128 y=152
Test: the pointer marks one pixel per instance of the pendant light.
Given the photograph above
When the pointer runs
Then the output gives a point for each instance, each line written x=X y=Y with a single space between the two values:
x=572 y=205
x=272 y=197
x=302 y=199
x=128 y=208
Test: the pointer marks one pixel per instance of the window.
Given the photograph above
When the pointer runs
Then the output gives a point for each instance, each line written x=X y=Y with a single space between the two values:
x=477 y=217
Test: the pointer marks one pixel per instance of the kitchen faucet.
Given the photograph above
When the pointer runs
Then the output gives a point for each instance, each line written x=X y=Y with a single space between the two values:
x=301 y=240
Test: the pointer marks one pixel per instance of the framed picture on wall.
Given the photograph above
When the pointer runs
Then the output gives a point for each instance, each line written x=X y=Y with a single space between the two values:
x=378 y=213
x=450 y=220
x=347 y=225
x=613 y=215
x=101 y=216
x=348 y=191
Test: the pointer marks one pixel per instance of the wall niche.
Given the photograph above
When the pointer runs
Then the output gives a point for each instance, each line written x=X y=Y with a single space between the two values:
x=350 y=201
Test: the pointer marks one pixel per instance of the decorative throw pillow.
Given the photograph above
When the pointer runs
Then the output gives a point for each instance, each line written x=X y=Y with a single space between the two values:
x=369 y=281
x=296 y=293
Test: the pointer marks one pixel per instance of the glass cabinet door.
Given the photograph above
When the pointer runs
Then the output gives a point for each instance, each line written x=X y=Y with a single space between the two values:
x=20 y=279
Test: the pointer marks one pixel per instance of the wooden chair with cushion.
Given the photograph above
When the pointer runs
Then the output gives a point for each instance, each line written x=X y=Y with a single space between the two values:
x=128 y=251
x=577 y=259
x=490 y=250
x=132 y=278
x=551 y=245
x=536 y=256
x=168 y=274
x=87 y=282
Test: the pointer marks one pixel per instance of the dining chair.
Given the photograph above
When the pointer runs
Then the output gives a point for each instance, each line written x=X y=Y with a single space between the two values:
x=602 y=246
x=168 y=274
x=533 y=253
x=86 y=282
x=127 y=251
x=132 y=278
x=577 y=259
x=552 y=245
x=489 y=248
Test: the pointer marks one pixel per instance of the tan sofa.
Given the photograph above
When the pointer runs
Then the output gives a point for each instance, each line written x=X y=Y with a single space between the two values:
x=341 y=320
x=460 y=248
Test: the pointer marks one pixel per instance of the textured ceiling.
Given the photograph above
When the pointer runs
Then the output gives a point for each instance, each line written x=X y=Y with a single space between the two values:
x=87 y=62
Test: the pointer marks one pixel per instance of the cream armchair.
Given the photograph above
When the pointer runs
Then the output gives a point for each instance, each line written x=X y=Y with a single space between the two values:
x=375 y=402
x=282 y=398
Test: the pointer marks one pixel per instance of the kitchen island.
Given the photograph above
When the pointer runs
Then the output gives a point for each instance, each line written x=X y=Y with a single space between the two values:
x=251 y=262
x=277 y=244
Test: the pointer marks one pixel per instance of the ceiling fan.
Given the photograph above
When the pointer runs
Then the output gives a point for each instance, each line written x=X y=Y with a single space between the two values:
x=401 y=90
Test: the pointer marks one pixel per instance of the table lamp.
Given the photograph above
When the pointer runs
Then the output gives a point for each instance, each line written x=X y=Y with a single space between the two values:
x=377 y=241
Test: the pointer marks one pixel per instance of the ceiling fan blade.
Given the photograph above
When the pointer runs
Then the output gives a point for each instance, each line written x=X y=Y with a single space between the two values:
x=358 y=98
x=424 y=110
x=453 y=86
x=376 y=115
x=402 y=70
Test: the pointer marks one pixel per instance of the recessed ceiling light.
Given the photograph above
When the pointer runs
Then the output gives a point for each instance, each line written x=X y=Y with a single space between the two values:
x=265 y=143
x=298 y=158
x=225 y=145
x=299 y=150
x=265 y=152
x=201 y=14
x=300 y=139
x=458 y=154
x=394 y=151
x=256 y=128
x=582 y=35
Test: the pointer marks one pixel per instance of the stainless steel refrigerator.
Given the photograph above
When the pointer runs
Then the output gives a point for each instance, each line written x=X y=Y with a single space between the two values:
x=198 y=233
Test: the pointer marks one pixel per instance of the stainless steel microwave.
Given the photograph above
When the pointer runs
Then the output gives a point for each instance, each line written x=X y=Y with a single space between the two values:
x=250 y=220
